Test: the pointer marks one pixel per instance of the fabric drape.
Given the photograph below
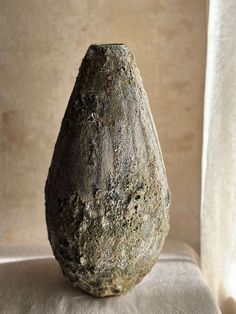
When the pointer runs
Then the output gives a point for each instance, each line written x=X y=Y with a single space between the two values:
x=218 y=210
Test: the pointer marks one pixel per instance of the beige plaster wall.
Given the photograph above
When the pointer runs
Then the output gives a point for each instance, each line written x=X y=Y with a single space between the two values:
x=41 y=47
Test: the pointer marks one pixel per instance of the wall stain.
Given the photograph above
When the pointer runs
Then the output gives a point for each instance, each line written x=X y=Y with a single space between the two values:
x=12 y=130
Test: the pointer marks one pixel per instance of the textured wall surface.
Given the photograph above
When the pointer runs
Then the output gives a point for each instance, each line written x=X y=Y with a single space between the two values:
x=42 y=44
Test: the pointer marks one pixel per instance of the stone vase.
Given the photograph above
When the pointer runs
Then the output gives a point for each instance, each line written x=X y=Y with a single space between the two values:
x=107 y=197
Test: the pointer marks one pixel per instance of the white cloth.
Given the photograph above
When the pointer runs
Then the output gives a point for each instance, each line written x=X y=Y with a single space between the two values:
x=218 y=212
x=32 y=285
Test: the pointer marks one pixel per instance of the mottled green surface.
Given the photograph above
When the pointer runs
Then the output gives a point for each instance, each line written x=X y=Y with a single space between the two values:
x=107 y=196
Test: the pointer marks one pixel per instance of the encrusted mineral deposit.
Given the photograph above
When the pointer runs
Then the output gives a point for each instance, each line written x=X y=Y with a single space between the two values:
x=107 y=197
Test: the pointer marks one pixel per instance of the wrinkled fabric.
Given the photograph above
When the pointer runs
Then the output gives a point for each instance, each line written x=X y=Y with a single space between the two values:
x=35 y=284
x=218 y=210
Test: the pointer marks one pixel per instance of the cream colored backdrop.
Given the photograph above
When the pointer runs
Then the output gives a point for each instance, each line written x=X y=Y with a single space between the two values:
x=41 y=47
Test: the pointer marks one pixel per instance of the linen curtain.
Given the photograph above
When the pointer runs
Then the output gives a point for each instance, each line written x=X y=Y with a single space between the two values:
x=218 y=204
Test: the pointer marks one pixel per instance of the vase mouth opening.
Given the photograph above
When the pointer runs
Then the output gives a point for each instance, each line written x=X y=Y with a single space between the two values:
x=109 y=44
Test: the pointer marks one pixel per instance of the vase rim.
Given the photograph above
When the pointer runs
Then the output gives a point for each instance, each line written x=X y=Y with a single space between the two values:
x=108 y=44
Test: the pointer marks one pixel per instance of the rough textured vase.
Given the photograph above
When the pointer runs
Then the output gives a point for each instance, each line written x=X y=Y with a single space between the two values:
x=107 y=197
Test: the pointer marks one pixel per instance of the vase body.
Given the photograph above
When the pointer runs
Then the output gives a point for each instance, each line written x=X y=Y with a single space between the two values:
x=107 y=197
